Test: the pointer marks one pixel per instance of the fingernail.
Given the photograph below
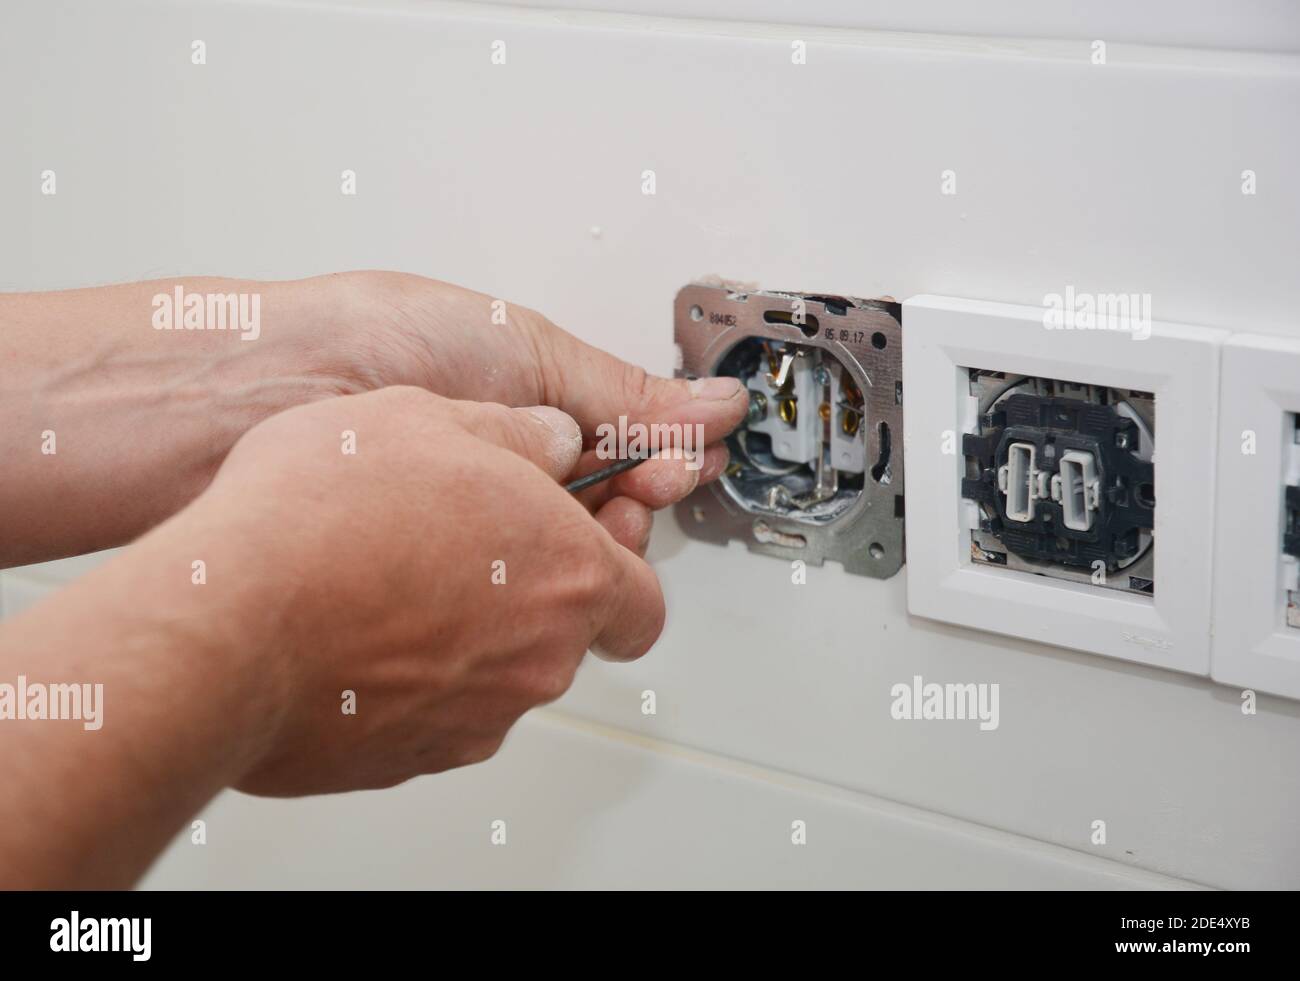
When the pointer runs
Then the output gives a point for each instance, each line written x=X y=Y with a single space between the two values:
x=716 y=389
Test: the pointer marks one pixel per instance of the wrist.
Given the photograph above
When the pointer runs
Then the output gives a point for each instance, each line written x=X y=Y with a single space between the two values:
x=311 y=338
x=211 y=609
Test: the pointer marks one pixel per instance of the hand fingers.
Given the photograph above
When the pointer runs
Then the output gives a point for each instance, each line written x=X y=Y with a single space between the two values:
x=628 y=522
x=542 y=434
x=635 y=612
x=634 y=603
x=596 y=388
x=655 y=483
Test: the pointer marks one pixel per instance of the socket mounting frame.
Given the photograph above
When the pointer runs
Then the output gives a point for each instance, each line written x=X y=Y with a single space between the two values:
x=865 y=337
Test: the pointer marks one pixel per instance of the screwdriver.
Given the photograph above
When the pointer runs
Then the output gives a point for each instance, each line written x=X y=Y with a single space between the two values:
x=605 y=473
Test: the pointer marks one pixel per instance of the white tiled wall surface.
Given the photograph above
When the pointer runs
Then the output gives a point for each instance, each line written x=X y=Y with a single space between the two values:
x=589 y=807
x=773 y=699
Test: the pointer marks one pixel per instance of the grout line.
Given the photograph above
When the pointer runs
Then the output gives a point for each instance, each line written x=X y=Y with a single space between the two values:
x=1134 y=874
x=1066 y=51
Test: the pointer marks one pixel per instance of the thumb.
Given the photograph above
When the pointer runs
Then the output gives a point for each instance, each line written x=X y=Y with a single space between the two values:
x=545 y=435
x=596 y=388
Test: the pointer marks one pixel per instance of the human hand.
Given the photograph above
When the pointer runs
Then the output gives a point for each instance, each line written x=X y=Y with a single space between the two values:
x=409 y=330
x=374 y=572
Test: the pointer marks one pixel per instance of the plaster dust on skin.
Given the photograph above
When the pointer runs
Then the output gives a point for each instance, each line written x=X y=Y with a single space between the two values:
x=666 y=483
x=563 y=438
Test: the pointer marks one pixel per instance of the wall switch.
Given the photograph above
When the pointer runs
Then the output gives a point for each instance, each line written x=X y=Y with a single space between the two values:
x=1256 y=624
x=1061 y=478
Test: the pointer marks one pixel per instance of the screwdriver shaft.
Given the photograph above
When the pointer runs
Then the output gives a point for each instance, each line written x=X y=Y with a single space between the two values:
x=603 y=474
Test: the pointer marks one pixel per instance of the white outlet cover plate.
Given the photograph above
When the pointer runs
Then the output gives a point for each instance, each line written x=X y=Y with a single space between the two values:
x=1253 y=646
x=943 y=338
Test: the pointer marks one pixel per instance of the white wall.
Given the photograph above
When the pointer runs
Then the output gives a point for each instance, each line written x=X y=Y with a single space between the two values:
x=825 y=176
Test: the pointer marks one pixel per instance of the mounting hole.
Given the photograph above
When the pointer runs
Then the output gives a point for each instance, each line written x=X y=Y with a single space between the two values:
x=806 y=322
x=877 y=550
x=880 y=471
x=697 y=312
x=1146 y=495
x=878 y=341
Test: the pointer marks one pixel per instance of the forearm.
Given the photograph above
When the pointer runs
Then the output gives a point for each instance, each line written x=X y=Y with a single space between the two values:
x=113 y=421
x=89 y=801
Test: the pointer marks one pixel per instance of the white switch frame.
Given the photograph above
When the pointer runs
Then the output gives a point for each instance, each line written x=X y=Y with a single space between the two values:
x=942 y=337
x=1253 y=646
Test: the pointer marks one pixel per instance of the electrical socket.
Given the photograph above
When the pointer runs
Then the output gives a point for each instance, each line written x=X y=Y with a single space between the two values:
x=816 y=471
